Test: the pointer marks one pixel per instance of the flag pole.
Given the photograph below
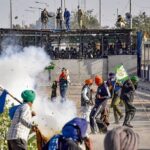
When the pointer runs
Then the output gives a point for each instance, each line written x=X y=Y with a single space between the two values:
x=11 y=96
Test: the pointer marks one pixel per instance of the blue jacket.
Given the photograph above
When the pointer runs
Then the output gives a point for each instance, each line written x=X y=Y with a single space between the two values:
x=104 y=92
x=67 y=15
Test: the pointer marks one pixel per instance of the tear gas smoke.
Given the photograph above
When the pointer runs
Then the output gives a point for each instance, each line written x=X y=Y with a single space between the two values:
x=20 y=67
x=53 y=115
x=23 y=68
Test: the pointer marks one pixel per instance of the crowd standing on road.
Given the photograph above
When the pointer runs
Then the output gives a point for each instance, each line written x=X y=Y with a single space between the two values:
x=119 y=92
x=94 y=114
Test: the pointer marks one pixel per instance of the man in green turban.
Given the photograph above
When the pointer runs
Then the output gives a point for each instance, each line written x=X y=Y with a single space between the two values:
x=21 y=124
x=28 y=96
x=127 y=95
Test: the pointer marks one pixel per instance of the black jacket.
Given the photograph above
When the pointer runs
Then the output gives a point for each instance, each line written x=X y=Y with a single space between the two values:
x=127 y=92
x=68 y=144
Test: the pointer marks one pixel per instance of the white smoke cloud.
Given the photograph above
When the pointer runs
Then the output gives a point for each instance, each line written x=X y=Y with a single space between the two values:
x=20 y=67
x=53 y=115
x=23 y=68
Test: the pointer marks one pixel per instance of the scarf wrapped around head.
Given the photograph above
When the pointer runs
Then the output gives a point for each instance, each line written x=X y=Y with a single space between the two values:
x=28 y=96
x=121 y=138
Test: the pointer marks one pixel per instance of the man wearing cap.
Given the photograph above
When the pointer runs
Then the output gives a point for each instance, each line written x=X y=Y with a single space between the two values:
x=21 y=123
x=86 y=99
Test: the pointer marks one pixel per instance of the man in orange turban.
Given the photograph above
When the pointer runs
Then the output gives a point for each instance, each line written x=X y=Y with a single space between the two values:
x=102 y=95
x=86 y=99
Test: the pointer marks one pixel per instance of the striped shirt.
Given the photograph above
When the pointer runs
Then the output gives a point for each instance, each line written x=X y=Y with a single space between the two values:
x=21 y=123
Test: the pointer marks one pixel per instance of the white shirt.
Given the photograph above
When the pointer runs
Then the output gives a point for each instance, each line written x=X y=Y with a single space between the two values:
x=21 y=123
x=84 y=92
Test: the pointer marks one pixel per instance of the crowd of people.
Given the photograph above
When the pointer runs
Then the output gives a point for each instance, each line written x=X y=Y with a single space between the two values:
x=60 y=16
x=95 y=114
x=88 y=51
x=118 y=91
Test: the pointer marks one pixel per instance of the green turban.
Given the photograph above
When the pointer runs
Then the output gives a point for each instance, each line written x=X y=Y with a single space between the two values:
x=28 y=96
x=134 y=79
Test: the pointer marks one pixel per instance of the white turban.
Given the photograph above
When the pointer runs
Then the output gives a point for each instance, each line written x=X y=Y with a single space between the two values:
x=121 y=138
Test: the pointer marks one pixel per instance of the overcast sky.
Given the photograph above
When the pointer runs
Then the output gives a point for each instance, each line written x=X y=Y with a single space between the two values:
x=109 y=9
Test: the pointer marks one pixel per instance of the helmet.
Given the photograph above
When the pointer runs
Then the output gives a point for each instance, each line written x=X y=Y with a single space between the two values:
x=89 y=81
x=134 y=79
x=98 y=80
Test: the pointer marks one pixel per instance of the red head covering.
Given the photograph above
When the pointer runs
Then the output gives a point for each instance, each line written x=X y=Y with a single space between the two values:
x=63 y=76
x=98 y=80
x=89 y=81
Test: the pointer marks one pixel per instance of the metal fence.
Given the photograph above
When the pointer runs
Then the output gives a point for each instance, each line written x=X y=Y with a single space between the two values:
x=145 y=66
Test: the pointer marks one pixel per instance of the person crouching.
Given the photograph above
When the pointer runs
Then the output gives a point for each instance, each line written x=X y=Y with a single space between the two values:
x=73 y=137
